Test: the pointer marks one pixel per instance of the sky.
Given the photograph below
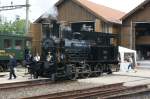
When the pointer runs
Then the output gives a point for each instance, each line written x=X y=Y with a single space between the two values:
x=38 y=7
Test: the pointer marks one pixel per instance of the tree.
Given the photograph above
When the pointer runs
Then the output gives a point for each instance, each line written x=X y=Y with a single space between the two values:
x=20 y=26
x=17 y=27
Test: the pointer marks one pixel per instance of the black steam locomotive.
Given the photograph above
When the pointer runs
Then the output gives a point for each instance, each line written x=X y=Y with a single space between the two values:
x=78 y=55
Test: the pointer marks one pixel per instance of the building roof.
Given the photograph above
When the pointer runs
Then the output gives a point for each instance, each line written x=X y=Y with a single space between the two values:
x=135 y=9
x=103 y=12
x=45 y=16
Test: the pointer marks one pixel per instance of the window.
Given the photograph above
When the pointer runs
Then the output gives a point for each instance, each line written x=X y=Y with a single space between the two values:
x=46 y=30
x=7 y=44
x=18 y=44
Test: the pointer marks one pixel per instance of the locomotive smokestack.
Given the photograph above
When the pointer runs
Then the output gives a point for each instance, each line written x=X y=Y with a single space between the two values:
x=52 y=12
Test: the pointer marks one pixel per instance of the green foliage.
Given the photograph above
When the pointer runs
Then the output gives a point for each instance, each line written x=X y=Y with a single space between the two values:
x=20 y=26
x=16 y=27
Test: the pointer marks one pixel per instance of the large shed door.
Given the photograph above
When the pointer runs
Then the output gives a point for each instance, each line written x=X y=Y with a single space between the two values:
x=142 y=33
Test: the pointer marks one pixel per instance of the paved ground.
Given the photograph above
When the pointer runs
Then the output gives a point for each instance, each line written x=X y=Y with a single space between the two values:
x=144 y=63
x=142 y=76
x=21 y=76
x=139 y=76
x=131 y=78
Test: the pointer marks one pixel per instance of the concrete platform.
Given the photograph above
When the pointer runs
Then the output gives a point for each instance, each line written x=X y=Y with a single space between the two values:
x=144 y=63
x=131 y=78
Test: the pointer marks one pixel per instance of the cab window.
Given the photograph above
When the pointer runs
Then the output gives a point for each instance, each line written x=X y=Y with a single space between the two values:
x=7 y=43
x=18 y=44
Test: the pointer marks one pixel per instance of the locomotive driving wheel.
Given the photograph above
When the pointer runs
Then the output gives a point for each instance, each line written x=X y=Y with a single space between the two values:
x=71 y=72
x=86 y=72
x=98 y=70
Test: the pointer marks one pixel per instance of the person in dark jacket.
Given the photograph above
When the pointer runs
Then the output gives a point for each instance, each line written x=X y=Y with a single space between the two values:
x=28 y=60
x=12 y=65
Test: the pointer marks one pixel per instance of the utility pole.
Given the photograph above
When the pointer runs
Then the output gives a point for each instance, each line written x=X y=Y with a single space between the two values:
x=27 y=17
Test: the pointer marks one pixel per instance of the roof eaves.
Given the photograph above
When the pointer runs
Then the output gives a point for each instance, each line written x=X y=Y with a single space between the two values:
x=38 y=19
x=116 y=21
x=41 y=17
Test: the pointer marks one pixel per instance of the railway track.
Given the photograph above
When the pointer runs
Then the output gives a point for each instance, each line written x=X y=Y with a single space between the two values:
x=102 y=92
x=79 y=94
x=131 y=95
x=125 y=90
x=32 y=83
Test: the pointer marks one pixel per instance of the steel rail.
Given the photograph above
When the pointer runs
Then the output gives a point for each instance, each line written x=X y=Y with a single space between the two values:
x=127 y=93
x=24 y=84
x=78 y=93
x=99 y=92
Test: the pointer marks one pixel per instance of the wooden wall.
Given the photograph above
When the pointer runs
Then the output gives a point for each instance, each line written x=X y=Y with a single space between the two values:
x=71 y=12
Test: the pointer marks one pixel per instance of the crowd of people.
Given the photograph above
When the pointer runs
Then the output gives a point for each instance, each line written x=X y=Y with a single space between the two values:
x=32 y=63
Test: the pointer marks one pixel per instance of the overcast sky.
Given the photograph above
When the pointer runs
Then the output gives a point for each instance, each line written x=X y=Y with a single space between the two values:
x=38 y=7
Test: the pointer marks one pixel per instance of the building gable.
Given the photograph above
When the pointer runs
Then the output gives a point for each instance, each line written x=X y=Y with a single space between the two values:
x=104 y=13
x=71 y=12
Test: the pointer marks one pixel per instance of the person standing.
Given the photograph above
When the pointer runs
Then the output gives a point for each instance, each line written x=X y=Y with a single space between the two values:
x=36 y=66
x=28 y=60
x=49 y=57
x=12 y=65
x=37 y=58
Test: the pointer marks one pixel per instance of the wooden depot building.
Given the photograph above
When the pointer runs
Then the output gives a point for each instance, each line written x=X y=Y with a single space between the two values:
x=136 y=30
